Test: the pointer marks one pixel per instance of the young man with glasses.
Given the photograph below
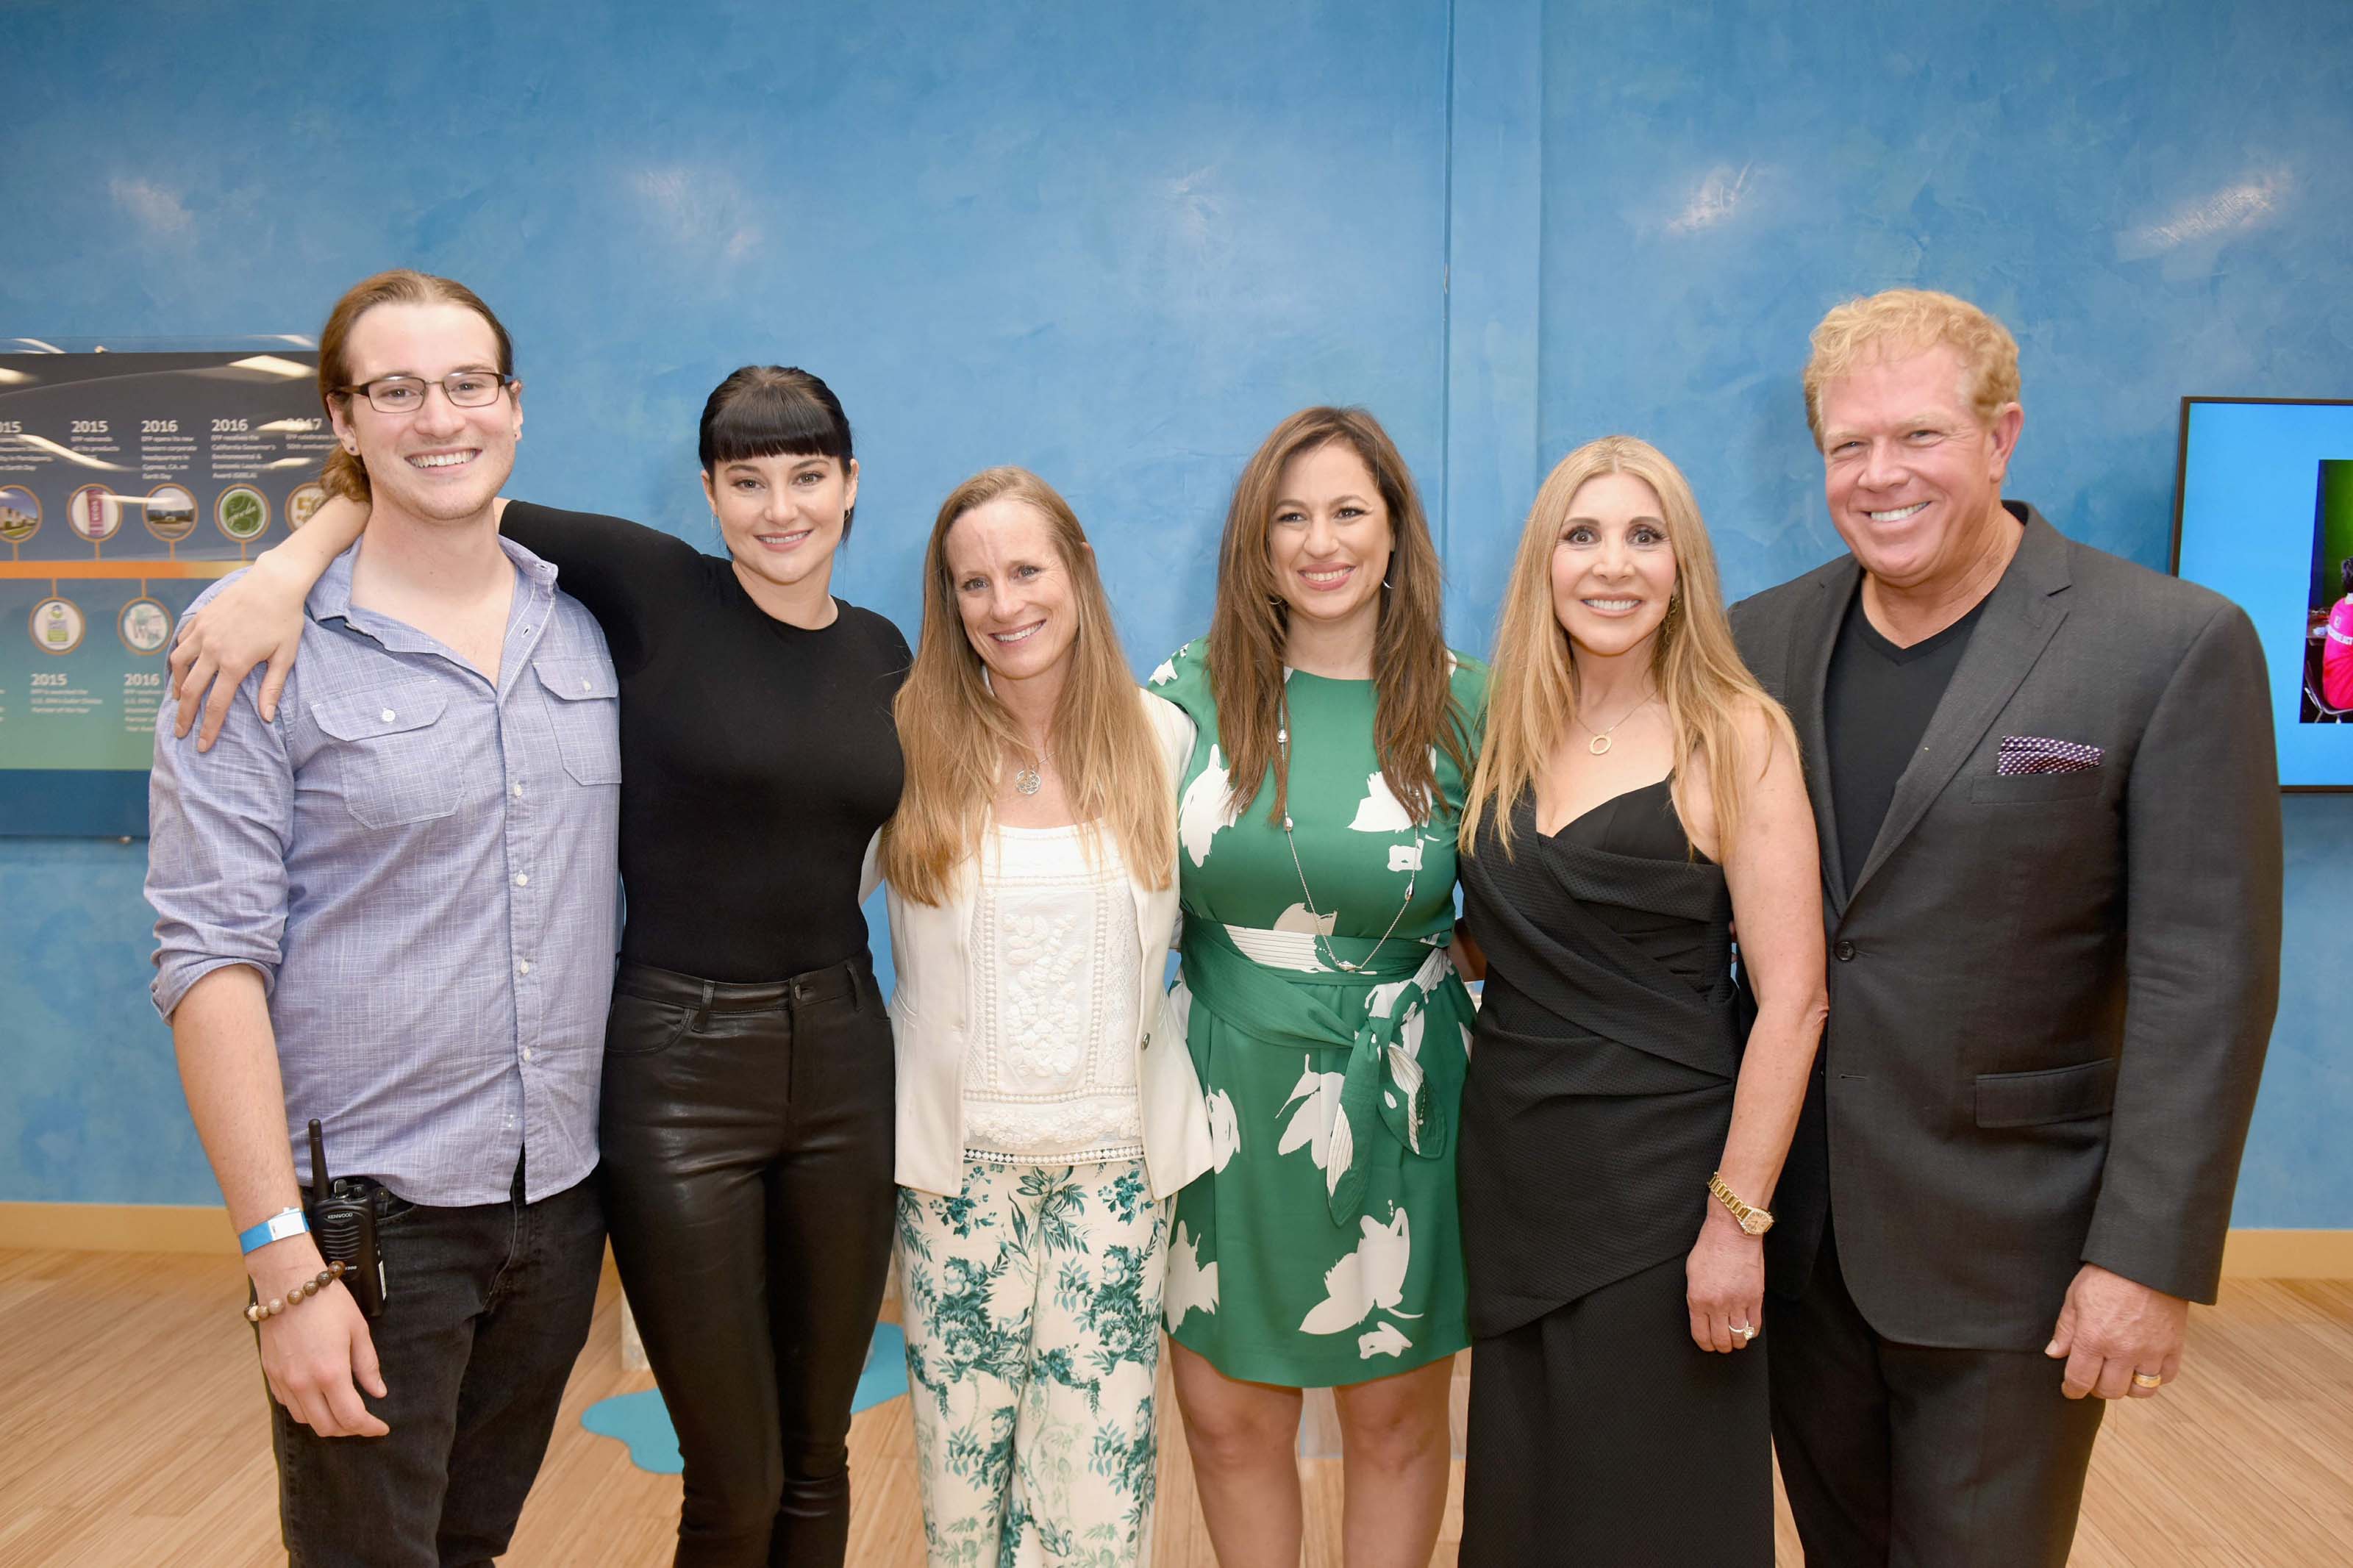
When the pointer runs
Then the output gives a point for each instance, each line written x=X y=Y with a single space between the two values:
x=389 y=904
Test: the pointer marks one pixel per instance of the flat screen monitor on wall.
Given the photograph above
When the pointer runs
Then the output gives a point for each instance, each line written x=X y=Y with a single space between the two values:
x=2262 y=513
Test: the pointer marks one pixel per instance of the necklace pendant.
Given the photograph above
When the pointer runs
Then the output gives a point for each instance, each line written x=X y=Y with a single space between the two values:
x=1599 y=745
x=1026 y=782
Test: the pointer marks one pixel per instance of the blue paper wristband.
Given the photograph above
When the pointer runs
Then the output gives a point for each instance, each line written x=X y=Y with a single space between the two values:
x=277 y=1227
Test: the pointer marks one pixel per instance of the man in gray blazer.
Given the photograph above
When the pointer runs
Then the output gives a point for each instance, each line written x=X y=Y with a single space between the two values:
x=2047 y=796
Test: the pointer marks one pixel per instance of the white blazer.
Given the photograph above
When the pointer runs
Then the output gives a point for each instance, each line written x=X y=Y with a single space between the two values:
x=930 y=948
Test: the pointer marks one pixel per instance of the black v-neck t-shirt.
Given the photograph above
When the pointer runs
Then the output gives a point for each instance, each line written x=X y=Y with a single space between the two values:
x=757 y=758
x=1876 y=703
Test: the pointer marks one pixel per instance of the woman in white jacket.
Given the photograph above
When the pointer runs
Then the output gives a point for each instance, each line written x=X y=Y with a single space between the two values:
x=1044 y=1117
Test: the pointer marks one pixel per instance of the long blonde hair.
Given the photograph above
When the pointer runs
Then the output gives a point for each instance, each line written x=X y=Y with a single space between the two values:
x=956 y=735
x=1414 y=708
x=1531 y=688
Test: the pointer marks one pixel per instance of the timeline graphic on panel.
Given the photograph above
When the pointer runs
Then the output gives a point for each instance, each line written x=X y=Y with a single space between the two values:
x=129 y=482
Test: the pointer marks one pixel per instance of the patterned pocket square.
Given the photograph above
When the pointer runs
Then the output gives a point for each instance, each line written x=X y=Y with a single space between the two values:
x=2042 y=755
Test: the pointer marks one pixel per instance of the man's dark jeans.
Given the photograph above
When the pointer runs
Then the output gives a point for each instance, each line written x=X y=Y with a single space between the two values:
x=485 y=1311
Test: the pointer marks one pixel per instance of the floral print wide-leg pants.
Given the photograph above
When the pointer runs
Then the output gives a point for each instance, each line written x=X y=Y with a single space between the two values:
x=1032 y=1315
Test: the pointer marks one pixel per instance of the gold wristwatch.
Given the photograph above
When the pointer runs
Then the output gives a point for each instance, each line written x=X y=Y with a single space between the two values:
x=1752 y=1221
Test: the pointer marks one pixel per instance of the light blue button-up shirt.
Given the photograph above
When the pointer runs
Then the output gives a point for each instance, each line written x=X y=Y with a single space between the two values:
x=423 y=870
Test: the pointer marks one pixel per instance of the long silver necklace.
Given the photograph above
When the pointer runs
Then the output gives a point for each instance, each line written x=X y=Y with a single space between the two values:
x=1322 y=947
x=1599 y=744
x=1028 y=780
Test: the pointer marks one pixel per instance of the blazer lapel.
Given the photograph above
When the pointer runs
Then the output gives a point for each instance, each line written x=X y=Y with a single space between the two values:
x=2019 y=621
x=1810 y=644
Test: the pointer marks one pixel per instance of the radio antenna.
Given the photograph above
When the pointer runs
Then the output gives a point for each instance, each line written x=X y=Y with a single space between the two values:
x=318 y=1163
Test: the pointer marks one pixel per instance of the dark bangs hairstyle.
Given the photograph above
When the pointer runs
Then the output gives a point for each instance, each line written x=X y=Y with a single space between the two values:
x=775 y=411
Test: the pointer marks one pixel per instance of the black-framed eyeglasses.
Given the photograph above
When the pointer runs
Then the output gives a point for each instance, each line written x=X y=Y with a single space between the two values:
x=405 y=394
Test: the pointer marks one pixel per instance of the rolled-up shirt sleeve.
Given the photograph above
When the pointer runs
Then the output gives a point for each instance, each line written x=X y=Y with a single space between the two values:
x=218 y=824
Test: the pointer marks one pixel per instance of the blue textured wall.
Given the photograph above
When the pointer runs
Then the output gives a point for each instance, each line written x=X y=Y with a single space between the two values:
x=2156 y=198
x=1117 y=242
x=1114 y=243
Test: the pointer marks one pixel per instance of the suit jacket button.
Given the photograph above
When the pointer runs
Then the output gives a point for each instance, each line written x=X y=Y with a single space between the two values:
x=1844 y=951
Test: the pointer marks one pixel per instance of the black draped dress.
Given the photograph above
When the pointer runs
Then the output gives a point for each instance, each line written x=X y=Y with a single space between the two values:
x=1600 y=1093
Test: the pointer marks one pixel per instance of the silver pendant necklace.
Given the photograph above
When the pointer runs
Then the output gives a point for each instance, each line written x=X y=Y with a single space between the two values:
x=1322 y=947
x=1029 y=780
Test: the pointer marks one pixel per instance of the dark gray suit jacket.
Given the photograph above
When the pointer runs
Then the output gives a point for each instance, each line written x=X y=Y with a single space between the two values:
x=2049 y=994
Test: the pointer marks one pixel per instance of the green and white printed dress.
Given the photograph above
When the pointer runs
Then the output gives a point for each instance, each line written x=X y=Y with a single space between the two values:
x=1323 y=1249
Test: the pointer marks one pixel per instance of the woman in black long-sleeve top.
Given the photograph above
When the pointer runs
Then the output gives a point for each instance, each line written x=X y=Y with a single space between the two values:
x=747 y=1122
x=1621 y=1132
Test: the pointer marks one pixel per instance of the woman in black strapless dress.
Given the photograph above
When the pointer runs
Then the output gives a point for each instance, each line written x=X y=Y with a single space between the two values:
x=1618 y=1407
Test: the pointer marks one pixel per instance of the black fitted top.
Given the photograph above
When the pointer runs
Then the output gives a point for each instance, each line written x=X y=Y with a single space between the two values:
x=1642 y=823
x=757 y=758
x=1877 y=700
x=1601 y=1075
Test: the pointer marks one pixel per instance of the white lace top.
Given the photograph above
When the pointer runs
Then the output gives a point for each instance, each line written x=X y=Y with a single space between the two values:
x=1049 y=1077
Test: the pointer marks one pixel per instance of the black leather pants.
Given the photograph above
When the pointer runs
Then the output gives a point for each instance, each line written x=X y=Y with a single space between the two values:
x=747 y=1165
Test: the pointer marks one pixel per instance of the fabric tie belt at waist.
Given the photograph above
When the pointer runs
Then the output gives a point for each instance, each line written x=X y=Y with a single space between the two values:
x=1384 y=1085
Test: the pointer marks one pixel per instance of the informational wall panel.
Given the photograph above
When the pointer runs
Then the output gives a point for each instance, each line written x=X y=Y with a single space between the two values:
x=128 y=481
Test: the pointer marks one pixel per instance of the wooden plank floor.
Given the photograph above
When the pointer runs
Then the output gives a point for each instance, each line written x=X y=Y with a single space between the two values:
x=132 y=1433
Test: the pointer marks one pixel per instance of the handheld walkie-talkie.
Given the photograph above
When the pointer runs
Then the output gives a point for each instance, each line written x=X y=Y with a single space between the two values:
x=342 y=1221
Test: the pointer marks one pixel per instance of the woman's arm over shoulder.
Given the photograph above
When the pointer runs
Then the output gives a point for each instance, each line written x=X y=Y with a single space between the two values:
x=610 y=565
x=255 y=617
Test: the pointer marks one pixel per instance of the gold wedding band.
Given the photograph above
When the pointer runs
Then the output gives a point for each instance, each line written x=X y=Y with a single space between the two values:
x=2149 y=1380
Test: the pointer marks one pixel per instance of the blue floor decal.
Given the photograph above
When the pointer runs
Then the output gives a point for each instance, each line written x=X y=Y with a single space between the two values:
x=640 y=1420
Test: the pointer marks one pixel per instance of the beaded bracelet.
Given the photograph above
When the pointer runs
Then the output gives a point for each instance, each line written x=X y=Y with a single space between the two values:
x=302 y=1292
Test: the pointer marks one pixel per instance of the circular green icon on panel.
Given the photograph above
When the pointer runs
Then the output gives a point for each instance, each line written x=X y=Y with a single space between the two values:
x=302 y=503
x=171 y=512
x=96 y=513
x=241 y=513
x=57 y=625
x=146 y=625
x=20 y=514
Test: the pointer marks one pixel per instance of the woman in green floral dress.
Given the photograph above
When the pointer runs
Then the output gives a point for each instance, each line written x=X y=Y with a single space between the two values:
x=1315 y=826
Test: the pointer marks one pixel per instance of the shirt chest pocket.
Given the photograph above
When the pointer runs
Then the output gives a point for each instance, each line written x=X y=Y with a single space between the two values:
x=388 y=754
x=584 y=705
